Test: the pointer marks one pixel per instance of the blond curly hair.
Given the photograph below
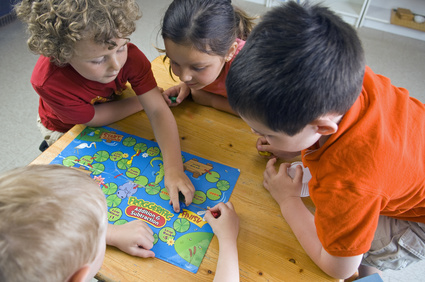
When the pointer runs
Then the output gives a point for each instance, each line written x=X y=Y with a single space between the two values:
x=55 y=25
x=53 y=220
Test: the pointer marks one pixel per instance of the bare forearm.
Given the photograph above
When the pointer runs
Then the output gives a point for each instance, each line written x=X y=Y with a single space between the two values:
x=108 y=113
x=166 y=133
x=227 y=265
x=212 y=100
x=165 y=128
x=302 y=224
x=110 y=238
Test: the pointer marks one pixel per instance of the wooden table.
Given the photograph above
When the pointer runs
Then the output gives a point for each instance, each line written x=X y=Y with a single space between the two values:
x=268 y=250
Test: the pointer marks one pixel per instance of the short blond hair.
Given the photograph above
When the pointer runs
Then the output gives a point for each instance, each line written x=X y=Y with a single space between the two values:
x=52 y=220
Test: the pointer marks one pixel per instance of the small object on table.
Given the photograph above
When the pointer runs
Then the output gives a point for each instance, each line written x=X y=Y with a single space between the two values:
x=264 y=153
x=215 y=214
x=404 y=14
x=204 y=211
x=173 y=99
x=306 y=177
x=419 y=19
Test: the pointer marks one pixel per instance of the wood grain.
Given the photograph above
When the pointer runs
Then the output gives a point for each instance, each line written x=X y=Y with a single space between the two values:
x=268 y=250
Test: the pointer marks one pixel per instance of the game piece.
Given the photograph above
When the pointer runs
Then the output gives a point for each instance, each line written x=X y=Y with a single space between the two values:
x=264 y=153
x=306 y=177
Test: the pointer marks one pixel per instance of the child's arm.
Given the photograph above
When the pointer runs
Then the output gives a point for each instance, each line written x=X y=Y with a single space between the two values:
x=134 y=238
x=107 y=113
x=180 y=92
x=226 y=228
x=286 y=192
x=212 y=100
x=165 y=130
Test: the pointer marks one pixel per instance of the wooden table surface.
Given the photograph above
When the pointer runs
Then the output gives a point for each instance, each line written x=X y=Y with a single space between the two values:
x=268 y=250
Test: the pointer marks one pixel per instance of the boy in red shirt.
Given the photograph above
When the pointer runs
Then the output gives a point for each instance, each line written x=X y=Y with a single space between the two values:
x=361 y=138
x=86 y=60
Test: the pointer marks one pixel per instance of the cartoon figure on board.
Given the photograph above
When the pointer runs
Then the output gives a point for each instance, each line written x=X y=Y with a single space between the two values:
x=84 y=145
x=127 y=189
x=160 y=173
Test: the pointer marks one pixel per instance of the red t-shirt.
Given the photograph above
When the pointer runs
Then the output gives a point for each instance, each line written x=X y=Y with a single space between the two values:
x=373 y=165
x=218 y=86
x=67 y=98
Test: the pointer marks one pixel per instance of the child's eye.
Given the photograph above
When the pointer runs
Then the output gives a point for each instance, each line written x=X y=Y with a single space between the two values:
x=198 y=68
x=122 y=48
x=98 y=61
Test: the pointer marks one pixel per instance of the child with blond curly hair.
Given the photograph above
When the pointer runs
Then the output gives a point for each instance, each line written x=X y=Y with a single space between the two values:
x=86 y=61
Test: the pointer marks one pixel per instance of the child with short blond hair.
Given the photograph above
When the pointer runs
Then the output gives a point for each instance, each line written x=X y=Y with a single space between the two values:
x=54 y=227
x=86 y=60
x=54 y=224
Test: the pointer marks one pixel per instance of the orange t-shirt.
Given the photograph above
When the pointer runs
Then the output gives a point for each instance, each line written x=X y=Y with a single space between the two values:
x=373 y=165
x=218 y=86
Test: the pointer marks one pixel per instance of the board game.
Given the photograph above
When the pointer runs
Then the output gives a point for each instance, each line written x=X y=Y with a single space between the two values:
x=130 y=172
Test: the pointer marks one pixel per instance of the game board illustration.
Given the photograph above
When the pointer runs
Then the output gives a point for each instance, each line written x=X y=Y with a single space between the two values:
x=130 y=172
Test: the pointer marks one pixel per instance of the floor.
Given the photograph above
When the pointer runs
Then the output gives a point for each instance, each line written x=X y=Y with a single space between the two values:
x=402 y=59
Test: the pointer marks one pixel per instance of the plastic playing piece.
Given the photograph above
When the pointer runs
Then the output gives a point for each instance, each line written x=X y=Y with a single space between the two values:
x=306 y=177
x=264 y=153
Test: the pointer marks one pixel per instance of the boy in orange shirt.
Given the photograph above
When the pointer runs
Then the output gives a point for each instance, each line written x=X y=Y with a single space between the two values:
x=361 y=138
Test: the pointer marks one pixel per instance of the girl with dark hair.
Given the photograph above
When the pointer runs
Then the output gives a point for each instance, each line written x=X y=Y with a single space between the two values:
x=201 y=38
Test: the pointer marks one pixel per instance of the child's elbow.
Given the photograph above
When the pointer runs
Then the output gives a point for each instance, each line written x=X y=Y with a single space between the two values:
x=342 y=275
x=342 y=267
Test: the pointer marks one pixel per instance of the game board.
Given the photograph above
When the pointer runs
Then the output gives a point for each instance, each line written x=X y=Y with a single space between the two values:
x=130 y=172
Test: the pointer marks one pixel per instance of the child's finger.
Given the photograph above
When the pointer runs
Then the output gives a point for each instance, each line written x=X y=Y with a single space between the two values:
x=261 y=141
x=283 y=169
x=270 y=166
x=216 y=211
x=143 y=253
x=174 y=199
x=270 y=170
x=230 y=206
x=209 y=217
x=188 y=194
x=298 y=174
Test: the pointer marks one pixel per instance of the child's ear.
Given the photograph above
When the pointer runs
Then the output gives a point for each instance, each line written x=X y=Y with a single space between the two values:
x=80 y=275
x=327 y=125
x=231 y=52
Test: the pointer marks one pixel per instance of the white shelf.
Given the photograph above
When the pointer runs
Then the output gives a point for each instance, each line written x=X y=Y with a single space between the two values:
x=378 y=16
x=369 y=13
x=349 y=8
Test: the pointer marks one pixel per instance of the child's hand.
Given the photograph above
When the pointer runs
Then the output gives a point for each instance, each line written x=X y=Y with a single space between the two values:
x=280 y=185
x=175 y=181
x=266 y=150
x=134 y=238
x=173 y=96
x=226 y=225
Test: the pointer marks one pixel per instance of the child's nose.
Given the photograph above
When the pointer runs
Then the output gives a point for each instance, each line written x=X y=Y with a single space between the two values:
x=185 y=75
x=115 y=63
